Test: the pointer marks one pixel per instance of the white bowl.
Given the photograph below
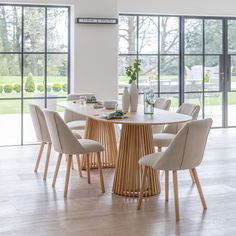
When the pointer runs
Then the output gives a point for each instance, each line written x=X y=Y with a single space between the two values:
x=111 y=104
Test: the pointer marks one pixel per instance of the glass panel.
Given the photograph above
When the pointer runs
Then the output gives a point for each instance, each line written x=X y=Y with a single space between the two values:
x=193 y=73
x=193 y=36
x=148 y=73
x=128 y=34
x=213 y=108
x=10 y=28
x=174 y=100
x=212 y=73
x=169 y=35
x=169 y=73
x=33 y=75
x=231 y=108
x=213 y=37
x=34 y=29
x=194 y=98
x=10 y=122
x=148 y=34
x=57 y=19
x=57 y=73
x=124 y=61
x=231 y=36
x=10 y=75
x=233 y=73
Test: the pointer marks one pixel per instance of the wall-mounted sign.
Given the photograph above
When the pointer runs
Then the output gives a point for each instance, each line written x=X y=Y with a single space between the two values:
x=86 y=20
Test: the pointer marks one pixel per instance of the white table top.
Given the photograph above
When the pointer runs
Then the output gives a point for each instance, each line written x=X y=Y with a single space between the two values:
x=159 y=116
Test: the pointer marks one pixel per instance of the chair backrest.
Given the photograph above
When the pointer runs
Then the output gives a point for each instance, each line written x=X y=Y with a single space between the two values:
x=186 y=109
x=62 y=137
x=162 y=103
x=187 y=148
x=71 y=116
x=39 y=122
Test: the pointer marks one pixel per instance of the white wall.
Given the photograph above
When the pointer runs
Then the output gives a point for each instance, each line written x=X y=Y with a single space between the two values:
x=180 y=7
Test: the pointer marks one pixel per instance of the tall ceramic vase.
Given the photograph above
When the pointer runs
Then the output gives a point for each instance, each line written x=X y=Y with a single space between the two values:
x=125 y=100
x=133 y=97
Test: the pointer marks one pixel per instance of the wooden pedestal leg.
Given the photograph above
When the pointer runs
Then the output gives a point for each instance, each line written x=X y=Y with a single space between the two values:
x=136 y=141
x=39 y=157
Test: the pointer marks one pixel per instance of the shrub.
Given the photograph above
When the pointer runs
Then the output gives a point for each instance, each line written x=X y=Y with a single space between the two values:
x=49 y=88
x=1 y=88
x=17 y=88
x=8 y=88
x=40 y=88
x=29 y=83
x=64 y=87
x=56 y=87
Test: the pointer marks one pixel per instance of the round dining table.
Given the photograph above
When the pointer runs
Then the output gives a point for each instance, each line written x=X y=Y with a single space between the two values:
x=136 y=141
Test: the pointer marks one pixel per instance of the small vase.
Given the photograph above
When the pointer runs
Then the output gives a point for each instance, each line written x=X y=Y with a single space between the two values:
x=148 y=102
x=125 y=100
x=133 y=97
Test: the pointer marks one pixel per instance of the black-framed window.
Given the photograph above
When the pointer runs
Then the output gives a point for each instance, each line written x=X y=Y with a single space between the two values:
x=34 y=65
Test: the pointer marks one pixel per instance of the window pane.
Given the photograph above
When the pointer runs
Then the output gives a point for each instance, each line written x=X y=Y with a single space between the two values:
x=148 y=34
x=233 y=73
x=10 y=75
x=193 y=36
x=194 y=98
x=231 y=108
x=34 y=29
x=57 y=73
x=148 y=73
x=33 y=75
x=169 y=35
x=10 y=122
x=169 y=74
x=213 y=36
x=231 y=36
x=193 y=73
x=174 y=100
x=57 y=19
x=10 y=28
x=128 y=34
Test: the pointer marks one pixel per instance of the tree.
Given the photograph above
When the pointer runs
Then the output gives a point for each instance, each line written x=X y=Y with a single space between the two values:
x=29 y=84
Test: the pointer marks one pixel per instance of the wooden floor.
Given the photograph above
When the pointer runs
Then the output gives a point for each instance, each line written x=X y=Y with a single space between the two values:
x=29 y=206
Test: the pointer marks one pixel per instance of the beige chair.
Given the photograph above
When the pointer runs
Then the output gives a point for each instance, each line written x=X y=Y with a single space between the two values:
x=184 y=152
x=75 y=121
x=164 y=138
x=42 y=134
x=164 y=104
x=64 y=142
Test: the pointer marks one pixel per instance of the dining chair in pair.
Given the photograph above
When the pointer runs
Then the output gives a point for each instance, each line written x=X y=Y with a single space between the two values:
x=43 y=136
x=64 y=142
x=163 y=104
x=73 y=120
x=184 y=152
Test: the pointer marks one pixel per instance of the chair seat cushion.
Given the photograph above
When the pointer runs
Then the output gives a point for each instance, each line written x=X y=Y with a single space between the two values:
x=91 y=145
x=76 y=124
x=162 y=139
x=151 y=159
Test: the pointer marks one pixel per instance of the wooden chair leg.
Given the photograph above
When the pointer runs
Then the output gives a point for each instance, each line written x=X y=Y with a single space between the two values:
x=67 y=174
x=88 y=167
x=142 y=187
x=39 y=157
x=192 y=176
x=72 y=164
x=56 y=170
x=47 y=161
x=100 y=171
x=176 y=194
x=79 y=165
x=167 y=185
x=159 y=149
x=194 y=171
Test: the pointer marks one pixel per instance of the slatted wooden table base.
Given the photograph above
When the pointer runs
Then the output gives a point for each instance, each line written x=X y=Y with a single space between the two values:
x=103 y=132
x=136 y=141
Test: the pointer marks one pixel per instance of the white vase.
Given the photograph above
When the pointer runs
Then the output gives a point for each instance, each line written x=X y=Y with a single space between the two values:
x=125 y=100
x=133 y=97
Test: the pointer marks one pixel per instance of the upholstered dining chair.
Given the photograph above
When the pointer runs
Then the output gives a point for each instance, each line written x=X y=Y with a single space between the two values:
x=164 y=104
x=184 y=152
x=43 y=136
x=73 y=120
x=64 y=142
